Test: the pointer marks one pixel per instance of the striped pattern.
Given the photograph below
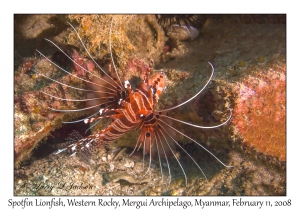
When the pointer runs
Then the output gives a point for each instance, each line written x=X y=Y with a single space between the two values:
x=132 y=112
x=129 y=109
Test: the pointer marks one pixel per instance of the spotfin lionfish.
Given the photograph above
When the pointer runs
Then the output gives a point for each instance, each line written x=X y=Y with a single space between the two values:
x=130 y=109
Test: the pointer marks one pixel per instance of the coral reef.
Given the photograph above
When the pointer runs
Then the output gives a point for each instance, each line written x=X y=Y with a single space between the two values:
x=32 y=112
x=259 y=115
x=132 y=36
x=33 y=118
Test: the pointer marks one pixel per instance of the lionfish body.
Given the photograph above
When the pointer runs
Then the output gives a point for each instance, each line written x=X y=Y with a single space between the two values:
x=136 y=108
x=131 y=109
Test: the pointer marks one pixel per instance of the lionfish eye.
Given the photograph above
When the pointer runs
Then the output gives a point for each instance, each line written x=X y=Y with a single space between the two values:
x=147 y=134
x=154 y=90
x=157 y=116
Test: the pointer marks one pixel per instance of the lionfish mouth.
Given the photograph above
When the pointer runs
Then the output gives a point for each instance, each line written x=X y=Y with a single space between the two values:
x=107 y=96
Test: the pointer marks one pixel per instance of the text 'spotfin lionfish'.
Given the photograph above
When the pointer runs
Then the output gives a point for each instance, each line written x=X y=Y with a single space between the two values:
x=130 y=109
